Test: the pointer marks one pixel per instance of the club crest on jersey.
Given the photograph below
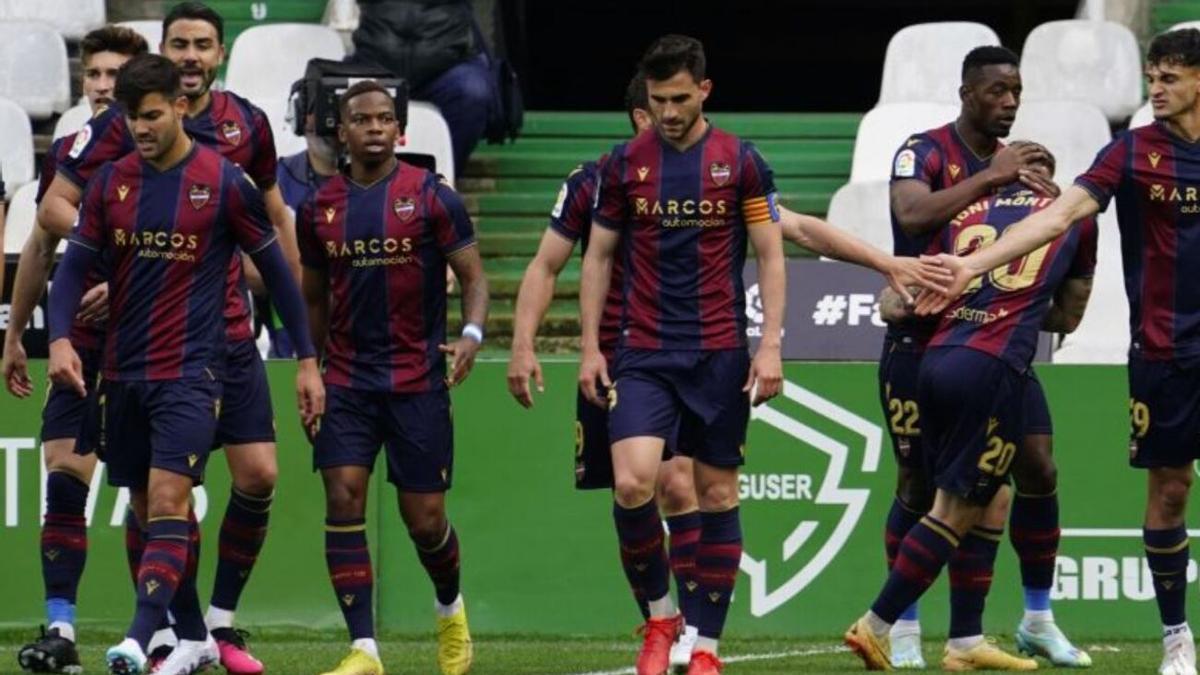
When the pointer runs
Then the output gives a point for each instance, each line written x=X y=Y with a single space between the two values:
x=122 y=192
x=720 y=173
x=231 y=131
x=905 y=165
x=329 y=214
x=404 y=207
x=955 y=170
x=1154 y=158
x=643 y=171
x=199 y=195
x=82 y=138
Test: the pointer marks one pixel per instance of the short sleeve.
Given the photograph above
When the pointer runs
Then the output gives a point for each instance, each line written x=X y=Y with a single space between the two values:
x=311 y=253
x=1084 y=264
x=757 y=188
x=448 y=220
x=91 y=226
x=918 y=159
x=262 y=168
x=247 y=213
x=610 y=207
x=1104 y=176
x=49 y=167
x=105 y=138
x=572 y=212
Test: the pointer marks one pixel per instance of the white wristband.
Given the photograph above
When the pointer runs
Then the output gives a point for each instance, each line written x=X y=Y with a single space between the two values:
x=474 y=332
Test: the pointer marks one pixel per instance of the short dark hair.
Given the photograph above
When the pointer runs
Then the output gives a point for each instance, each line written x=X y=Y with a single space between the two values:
x=358 y=89
x=670 y=54
x=1178 y=47
x=143 y=75
x=112 y=38
x=198 y=11
x=1049 y=161
x=989 y=55
x=636 y=97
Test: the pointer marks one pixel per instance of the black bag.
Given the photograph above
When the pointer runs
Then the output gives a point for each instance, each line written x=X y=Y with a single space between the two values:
x=507 y=113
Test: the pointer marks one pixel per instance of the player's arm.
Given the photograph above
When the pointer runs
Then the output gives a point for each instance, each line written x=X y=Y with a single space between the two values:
x=60 y=206
x=533 y=299
x=767 y=367
x=65 y=367
x=467 y=265
x=1070 y=301
x=314 y=283
x=1032 y=232
x=33 y=270
x=595 y=277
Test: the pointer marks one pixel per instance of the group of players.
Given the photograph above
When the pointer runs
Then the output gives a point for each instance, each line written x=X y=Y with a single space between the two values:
x=169 y=198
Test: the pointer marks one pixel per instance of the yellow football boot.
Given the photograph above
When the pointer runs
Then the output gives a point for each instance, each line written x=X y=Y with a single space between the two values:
x=875 y=652
x=455 y=650
x=984 y=656
x=358 y=662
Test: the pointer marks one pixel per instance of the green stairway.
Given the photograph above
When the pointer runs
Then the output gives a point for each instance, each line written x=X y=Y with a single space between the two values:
x=1167 y=13
x=510 y=190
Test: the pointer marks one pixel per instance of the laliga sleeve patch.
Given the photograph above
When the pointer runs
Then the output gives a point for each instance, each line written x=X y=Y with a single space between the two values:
x=82 y=138
x=557 y=211
x=906 y=164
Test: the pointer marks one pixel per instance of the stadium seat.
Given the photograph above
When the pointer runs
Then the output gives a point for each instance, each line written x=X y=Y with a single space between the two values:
x=428 y=134
x=862 y=208
x=885 y=127
x=151 y=30
x=20 y=218
x=72 y=120
x=1073 y=131
x=1103 y=335
x=1143 y=116
x=1184 y=24
x=286 y=142
x=16 y=145
x=71 y=18
x=924 y=61
x=341 y=15
x=1095 y=62
x=260 y=70
x=33 y=68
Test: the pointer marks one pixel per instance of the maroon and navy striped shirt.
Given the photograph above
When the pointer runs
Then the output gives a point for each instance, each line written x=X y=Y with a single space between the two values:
x=384 y=248
x=572 y=219
x=940 y=159
x=683 y=217
x=1155 y=176
x=230 y=125
x=170 y=236
x=1001 y=312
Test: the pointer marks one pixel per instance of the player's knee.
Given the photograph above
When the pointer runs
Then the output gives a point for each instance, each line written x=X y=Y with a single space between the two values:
x=344 y=502
x=676 y=492
x=428 y=531
x=168 y=499
x=914 y=489
x=630 y=490
x=717 y=496
x=1039 y=478
x=258 y=480
x=1169 y=496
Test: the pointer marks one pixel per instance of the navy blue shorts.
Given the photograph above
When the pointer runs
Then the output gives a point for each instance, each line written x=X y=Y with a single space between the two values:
x=1164 y=412
x=694 y=397
x=416 y=430
x=1037 y=410
x=898 y=368
x=973 y=420
x=246 y=413
x=66 y=412
x=164 y=424
x=593 y=452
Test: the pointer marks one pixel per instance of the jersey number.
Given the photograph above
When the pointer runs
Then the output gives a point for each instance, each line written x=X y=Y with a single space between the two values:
x=1139 y=418
x=904 y=417
x=998 y=456
x=1014 y=276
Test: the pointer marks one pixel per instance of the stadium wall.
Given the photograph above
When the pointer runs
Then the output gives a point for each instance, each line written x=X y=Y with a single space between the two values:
x=539 y=557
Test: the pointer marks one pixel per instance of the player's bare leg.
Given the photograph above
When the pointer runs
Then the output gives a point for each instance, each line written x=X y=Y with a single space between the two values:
x=676 y=495
x=914 y=498
x=63 y=554
x=1034 y=532
x=424 y=515
x=1166 y=541
x=349 y=562
x=636 y=462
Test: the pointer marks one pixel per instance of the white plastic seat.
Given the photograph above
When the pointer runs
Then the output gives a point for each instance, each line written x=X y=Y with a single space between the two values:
x=286 y=142
x=885 y=128
x=1103 y=335
x=151 y=30
x=1074 y=132
x=863 y=210
x=260 y=68
x=1184 y=24
x=1095 y=62
x=428 y=134
x=72 y=18
x=16 y=146
x=33 y=68
x=1143 y=116
x=72 y=120
x=924 y=61
x=341 y=15
x=19 y=219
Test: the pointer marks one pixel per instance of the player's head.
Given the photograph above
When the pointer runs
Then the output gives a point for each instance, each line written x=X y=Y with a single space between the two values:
x=369 y=128
x=193 y=38
x=1044 y=165
x=637 y=104
x=102 y=52
x=149 y=92
x=676 y=85
x=1173 y=72
x=990 y=90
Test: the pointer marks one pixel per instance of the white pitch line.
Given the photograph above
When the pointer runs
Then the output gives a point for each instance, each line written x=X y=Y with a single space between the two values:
x=1110 y=532
x=770 y=656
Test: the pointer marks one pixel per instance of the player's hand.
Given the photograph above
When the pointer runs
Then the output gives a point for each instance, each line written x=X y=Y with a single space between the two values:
x=593 y=368
x=462 y=358
x=16 y=369
x=904 y=272
x=522 y=366
x=1039 y=182
x=932 y=303
x=65 y=368
x=1008 y=162
x=766 y=370
x=310 y=395
x=93 y=309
